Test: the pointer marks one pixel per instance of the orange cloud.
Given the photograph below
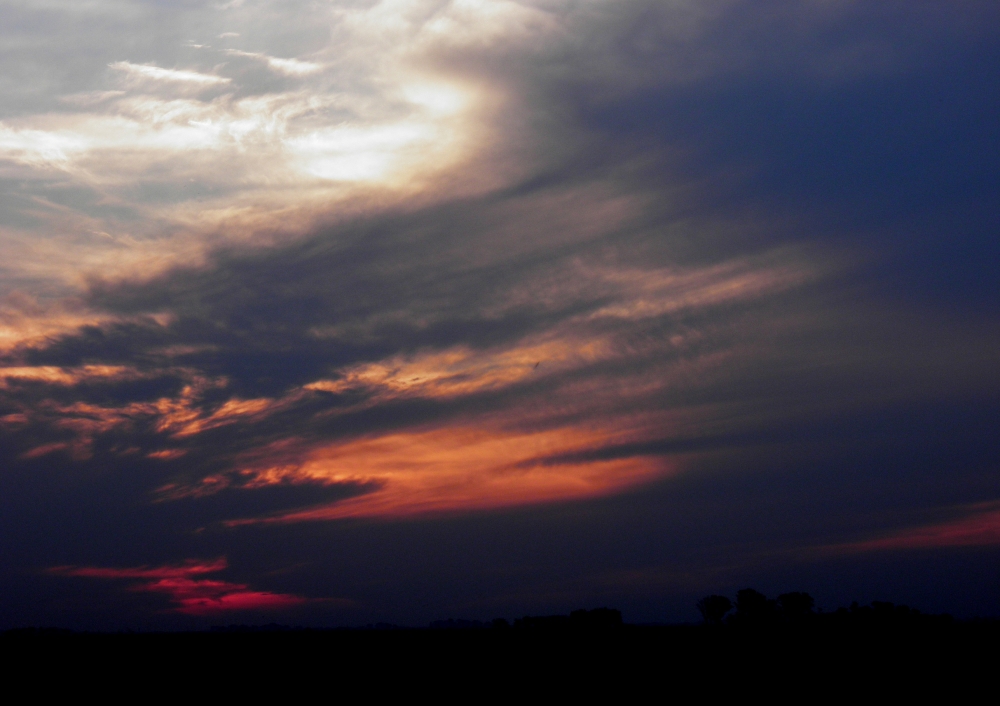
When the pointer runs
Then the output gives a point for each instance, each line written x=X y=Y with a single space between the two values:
x=188 y=422
x=53 y=375
x=634 y=294
x=181 y=417
x=464 y=468
x=191 y=596
x=43 y=450
x=24 y=319
x=463 y=371
x=167 y=454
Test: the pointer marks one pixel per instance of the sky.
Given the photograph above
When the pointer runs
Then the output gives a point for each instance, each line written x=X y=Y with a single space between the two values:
x=338 y=312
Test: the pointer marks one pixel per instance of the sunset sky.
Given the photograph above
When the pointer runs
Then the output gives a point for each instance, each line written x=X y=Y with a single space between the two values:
x=334 y=312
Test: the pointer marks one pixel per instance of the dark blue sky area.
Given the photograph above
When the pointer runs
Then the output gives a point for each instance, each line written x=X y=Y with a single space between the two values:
x=902 y=161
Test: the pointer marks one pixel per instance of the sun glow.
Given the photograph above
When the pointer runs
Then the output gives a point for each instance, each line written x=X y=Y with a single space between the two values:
x=174 y=157
x=356 y=154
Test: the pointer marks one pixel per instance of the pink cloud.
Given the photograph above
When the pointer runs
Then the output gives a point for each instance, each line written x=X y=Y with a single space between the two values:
x=979 y=528
x=191 y=596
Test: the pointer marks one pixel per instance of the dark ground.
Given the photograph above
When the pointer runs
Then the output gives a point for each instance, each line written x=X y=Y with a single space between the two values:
x=803 y=661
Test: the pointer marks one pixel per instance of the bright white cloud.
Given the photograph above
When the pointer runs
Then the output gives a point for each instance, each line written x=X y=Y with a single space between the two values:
x=174 y=139
x=156 y=73
x=291 y=67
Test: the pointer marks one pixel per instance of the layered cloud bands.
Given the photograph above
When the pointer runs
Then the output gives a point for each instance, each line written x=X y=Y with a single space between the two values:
x=265 y=264
x=496 y=398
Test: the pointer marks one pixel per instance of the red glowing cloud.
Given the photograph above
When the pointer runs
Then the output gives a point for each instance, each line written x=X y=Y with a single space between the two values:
x=191 y=596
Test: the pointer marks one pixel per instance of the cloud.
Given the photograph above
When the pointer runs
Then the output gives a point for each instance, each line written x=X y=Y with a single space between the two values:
x=362 y=357
x=292 y=67
x=543 y=356
x=142 y=72
x=978 y=528
x=167 y=160
x=456 y=259
x=190 y=596
x=461 y=469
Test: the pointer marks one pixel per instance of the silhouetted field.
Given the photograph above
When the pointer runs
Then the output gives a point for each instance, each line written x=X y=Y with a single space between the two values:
x=779 y=645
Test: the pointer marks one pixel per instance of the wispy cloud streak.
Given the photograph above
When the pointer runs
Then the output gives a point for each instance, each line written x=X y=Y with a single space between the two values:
x=979 y=528
x=191 y=596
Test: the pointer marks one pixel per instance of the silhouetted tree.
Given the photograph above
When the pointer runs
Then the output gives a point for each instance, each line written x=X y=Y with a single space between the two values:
x=714 y=608
x=542 y=622
x=596 y=618
x=796 y=607
x=755 y=611
x=753 y=608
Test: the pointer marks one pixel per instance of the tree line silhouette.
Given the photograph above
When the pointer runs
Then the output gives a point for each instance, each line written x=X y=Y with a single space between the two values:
x=753 y=609
x=749 y=611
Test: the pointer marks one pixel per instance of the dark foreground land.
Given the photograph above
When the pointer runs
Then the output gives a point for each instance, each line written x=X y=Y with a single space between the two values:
x=811 y=659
